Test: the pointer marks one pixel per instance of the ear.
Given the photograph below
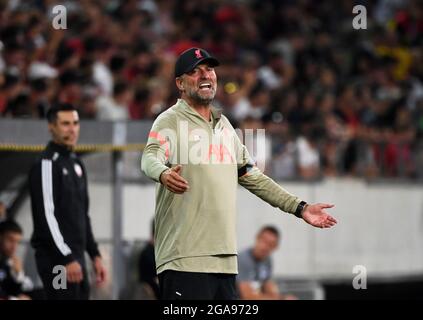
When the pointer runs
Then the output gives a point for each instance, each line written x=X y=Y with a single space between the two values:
x=50 y=127
x=179 y=84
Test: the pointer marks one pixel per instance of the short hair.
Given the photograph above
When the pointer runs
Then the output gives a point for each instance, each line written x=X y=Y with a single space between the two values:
x=119 y=88
x=271 y=229
x=53 y=111
x=10 y=226
x=38 y=85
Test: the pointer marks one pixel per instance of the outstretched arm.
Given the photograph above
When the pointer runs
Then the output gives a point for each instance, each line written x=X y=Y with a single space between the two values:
x=268 y=190
x=251 y=178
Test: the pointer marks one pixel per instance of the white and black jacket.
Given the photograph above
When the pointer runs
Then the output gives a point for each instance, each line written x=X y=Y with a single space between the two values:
x=59 y=200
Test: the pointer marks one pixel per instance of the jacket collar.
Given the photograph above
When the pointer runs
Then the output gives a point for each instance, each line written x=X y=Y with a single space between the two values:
x=59 y=148
x=215 y=112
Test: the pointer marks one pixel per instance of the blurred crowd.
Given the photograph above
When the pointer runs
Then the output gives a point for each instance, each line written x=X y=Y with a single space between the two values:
x=335 y=101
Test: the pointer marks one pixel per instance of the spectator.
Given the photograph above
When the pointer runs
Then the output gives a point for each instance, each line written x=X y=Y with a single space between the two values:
x=116 y=107
x=286 y=69
x=308 y=156
x=102 y=75
x=255 y=277
x=9 y=91
x=284 y=154
x=14 y=285
x=70 y=83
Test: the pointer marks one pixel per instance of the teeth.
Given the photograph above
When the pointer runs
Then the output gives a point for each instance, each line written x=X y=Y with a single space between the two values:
x=205 y=85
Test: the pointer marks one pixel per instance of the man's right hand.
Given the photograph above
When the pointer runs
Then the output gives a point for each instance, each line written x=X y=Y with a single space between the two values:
x=173 y=180
x=74 y=272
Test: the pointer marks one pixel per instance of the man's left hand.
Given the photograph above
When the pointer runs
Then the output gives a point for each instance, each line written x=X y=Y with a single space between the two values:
x=315 y=215
x=100 y=271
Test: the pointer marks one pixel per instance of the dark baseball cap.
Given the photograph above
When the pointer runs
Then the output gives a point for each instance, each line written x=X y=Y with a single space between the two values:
x=192 y=57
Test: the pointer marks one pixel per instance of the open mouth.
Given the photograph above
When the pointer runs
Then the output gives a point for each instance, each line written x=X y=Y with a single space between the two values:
x=205 y=86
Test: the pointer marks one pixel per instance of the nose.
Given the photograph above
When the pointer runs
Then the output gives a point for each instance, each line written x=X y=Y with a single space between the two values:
x=75 y=125
x=204 y=73
x=72 y=129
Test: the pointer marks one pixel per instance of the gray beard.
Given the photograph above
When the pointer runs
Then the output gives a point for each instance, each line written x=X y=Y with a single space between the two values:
x=200 y=100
